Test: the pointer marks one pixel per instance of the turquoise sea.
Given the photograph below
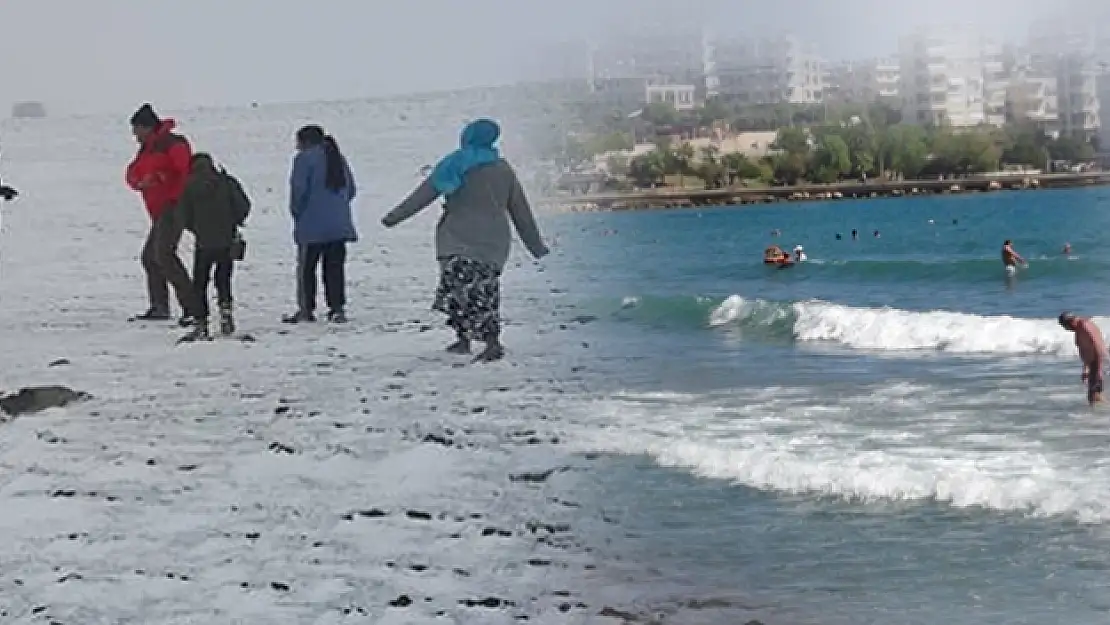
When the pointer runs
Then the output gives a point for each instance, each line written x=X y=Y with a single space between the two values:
x=891 y=432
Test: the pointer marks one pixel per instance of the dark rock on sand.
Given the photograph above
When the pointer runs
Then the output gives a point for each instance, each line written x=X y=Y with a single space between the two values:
x=438 y=440
x=402 y=601
x=551 y=528
x=372 y=513
x=627 y=617
x=281 y=448
x=487 y=602
x=39 y=398
x=536 y=477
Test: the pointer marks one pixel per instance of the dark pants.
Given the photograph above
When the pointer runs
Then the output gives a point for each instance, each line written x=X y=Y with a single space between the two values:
x=334 y=257
x=204 y=261
x=1094 y=380
x=163 y=267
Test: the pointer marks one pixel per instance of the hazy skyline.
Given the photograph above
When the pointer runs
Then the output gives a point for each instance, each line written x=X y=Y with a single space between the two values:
x=78 y=56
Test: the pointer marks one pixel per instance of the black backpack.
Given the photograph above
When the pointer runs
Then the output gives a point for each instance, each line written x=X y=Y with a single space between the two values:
x=241 y=204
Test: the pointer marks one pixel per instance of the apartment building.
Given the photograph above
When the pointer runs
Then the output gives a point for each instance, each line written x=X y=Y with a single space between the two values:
x=952 y=76
x=1032 y=92
x=1103 y=88
x=631 y=71
x=862 y=81
x=996 y=81
x=1066 y=50
x=781 y=70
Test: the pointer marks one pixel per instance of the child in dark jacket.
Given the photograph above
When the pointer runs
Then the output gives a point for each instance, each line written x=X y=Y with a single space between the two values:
x=213 y=207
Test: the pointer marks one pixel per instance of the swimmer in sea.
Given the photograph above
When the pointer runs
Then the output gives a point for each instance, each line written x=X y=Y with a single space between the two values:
x=1092 y=351
x=1010 y=258
x=1067 y=249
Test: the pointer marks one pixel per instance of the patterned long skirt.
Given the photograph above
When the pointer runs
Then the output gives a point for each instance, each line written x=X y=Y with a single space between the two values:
x=469 y=293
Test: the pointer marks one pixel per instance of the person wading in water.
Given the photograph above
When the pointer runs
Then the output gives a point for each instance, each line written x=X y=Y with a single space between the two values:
x=481 y=196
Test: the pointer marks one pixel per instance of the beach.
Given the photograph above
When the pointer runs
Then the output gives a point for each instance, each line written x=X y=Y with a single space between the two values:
x=891 y=432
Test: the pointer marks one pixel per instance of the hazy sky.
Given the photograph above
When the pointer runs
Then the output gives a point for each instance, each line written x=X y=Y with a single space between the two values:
x=99 y=55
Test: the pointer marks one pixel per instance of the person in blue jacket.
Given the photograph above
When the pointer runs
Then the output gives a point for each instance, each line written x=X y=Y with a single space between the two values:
x=321 y=189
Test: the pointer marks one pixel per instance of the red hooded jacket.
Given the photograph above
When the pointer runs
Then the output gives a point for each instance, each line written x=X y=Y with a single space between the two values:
x=163 y=160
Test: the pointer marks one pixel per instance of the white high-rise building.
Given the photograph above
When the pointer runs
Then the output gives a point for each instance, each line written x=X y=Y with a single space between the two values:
x=952 y=76
x=1032 y=93
x=780 y=70
x=996 y=82
x=863 y=81
x=1066 y=49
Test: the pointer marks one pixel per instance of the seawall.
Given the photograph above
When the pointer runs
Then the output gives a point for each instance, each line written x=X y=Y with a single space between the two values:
x=740 y=196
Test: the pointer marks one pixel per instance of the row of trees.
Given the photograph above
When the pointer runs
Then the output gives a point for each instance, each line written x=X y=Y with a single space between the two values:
x=871 y=145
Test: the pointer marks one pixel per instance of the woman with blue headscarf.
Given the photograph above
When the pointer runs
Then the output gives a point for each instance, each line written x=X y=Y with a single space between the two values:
x=482 y=194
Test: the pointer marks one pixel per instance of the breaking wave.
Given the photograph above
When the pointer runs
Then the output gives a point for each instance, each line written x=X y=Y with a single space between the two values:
x=873 y=329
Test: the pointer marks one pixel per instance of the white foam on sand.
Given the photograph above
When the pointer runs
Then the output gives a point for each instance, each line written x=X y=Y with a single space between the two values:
x=311 y=475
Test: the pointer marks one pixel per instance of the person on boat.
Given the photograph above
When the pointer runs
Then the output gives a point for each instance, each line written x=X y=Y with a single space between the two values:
x=773 y=254
x=799 y=254
x=1092 y=352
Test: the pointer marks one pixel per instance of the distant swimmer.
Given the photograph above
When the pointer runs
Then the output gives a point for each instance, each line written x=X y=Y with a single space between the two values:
x=1092 y=351
x=877 y=234
x=855 y=234
x=1067 y=249
x=1010 y=258
x=799 y=254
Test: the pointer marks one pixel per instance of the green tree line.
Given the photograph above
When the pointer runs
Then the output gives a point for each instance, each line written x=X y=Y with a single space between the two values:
x=873 y=144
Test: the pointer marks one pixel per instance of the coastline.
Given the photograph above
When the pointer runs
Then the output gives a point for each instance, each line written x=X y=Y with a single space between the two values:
x=743 y=196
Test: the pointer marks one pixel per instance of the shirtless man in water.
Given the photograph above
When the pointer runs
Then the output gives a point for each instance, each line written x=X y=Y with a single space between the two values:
x=1010 y=258
x=1092 y=351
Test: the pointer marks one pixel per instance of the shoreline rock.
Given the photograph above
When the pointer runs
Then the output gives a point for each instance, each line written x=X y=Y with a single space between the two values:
x=30 y=400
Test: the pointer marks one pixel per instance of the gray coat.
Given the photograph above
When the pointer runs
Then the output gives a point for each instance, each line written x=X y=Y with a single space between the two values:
x=475 y=220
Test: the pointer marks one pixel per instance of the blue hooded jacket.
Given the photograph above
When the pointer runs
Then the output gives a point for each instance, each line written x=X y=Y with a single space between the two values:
x=320 y=215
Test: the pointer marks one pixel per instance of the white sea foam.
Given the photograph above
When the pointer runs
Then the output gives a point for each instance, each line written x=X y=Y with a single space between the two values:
x=889 y=329
x=895 y=444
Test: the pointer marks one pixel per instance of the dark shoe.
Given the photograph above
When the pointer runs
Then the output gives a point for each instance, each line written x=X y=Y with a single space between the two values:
x=492 y=353
x=337 y=316
x=152 y=315
x=227 y=321
x=461 y=345
x=302 y=316
x=199 y=333
x=187 y=321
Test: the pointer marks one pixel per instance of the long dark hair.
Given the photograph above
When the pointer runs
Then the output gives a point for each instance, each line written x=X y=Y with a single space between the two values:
x=335 y=176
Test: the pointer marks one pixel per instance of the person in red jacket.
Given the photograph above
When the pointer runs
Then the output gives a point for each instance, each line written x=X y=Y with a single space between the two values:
x=158 y=173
